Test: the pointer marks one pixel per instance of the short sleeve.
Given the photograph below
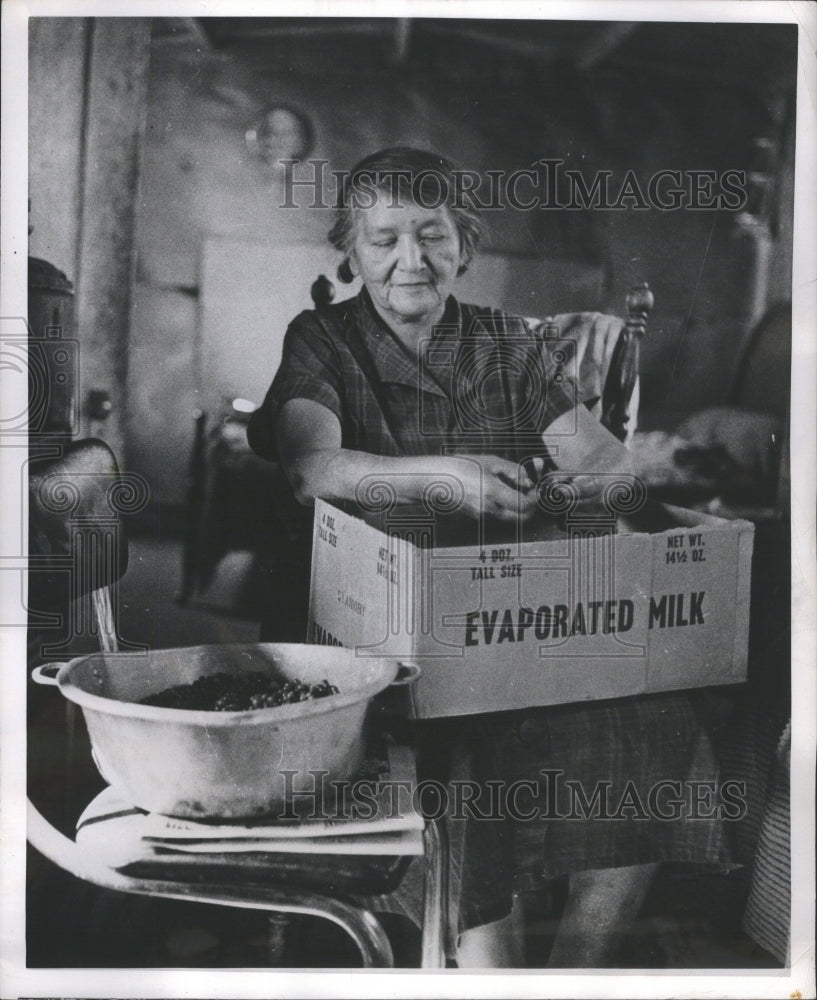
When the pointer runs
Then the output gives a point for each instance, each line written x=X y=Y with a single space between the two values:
x=309 y=369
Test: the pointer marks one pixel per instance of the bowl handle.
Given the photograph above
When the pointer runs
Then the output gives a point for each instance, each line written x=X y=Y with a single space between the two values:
x=46 y=673
x=407 y=673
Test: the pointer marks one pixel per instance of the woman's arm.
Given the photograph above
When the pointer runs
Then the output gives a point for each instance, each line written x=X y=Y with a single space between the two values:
x=309 y=444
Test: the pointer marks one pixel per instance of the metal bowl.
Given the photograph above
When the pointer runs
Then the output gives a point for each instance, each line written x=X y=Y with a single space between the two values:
x=221 y=764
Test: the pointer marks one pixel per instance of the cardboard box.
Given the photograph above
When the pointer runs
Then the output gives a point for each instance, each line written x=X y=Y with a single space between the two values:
x=574 y=613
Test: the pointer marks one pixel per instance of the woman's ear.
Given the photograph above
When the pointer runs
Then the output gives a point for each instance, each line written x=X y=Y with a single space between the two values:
x=464 y=261
x=344 y=272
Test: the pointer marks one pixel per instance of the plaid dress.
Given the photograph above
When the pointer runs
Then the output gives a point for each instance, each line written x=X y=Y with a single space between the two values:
x=485 y=383
x=482 y=383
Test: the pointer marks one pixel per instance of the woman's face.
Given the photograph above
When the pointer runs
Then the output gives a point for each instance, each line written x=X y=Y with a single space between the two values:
x=407 y=257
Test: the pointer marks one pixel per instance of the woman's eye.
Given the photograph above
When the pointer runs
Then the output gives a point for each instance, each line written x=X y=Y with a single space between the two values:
x=431 y=238
x=385 y=243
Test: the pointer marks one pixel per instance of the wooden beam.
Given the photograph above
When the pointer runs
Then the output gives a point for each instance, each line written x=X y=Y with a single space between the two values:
x=182 y=31
x=547 y=51
x=57 y=55
x=603 y=43
x=116 y=102
x=402 y=40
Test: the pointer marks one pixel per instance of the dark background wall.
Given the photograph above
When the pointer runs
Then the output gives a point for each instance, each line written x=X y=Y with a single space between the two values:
x=185 y=291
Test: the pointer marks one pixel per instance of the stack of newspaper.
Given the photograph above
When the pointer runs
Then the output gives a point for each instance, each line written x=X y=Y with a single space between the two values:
x=374 y=814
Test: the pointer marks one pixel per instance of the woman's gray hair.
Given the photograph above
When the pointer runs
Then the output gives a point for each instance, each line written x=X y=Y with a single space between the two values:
x=408 y=175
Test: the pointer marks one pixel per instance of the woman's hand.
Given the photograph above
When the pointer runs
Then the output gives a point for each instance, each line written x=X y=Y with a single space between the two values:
x=491 y=486
x=587 y=456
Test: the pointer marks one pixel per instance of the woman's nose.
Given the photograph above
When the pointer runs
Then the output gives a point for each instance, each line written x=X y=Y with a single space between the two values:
x=409 y=254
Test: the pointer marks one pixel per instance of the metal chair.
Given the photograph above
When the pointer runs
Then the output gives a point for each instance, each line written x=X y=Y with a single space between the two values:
x=77 y=551
x=233 y=889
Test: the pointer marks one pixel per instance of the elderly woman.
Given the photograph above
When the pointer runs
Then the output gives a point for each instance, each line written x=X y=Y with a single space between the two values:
x=353 y=397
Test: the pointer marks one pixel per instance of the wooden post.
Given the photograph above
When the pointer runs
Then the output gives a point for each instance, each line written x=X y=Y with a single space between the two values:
x=623 y=371
x=115 y=108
